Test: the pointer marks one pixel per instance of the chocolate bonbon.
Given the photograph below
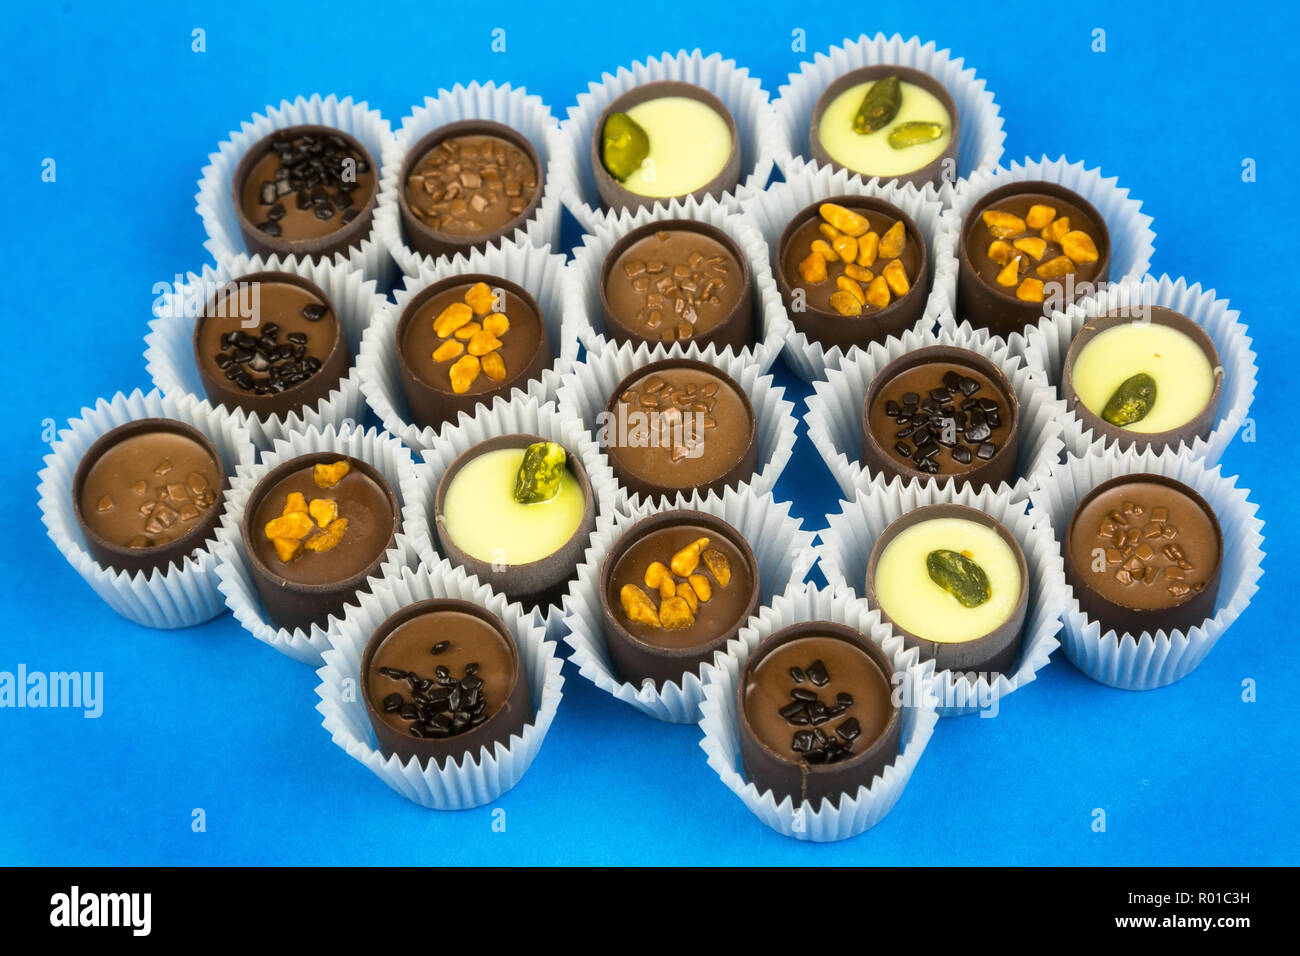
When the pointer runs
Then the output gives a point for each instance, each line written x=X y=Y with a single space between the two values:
x=1144 y=553
x=469 y=183
x=147 y=494
x=941 y=411
x=817 y=715
x=954 y=583
x=674 y=588
x=1144 y=377
x=315 y=528
x=306 y=191
x=442 y=678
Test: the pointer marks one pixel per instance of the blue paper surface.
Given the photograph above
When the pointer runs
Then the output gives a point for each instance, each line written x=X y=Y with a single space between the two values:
x=208 y=718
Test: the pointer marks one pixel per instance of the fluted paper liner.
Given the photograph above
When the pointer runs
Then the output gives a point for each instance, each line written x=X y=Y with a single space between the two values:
x=834 y=415
x=858 y=811
x=377 y=448
x=761 y=138
x=979 y=139
x=534 y=269
x=476 y=778
x=1146 y=661
x=784 y=554
x=845 y=550
x=1050 y=341
x=773 y=209
x=771 y=324
x=213 y=200
x=514 y=107
x=1132 y=240
x=525 y=415
x=181 y=595
x=169 y=344
x=586 y=391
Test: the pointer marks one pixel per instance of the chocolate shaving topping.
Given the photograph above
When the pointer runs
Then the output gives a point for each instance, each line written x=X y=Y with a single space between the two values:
x=953 y=419
x=443 y=706
x=807 y=709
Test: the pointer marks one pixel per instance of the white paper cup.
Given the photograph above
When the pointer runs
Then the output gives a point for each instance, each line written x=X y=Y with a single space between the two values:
x=784 y=554
x=772 y=326
x=586 y=390
x=761 y=139
x=1050 y=341
x=534 y=269
x=773 y=209
x=522 y=416
x=980 y=134
x=1146 y=661
x=169 y=344
x=477 y=778
x=834 y=415
x=1132 y=240
x=510 y=106
x=377 y=448
x=719 y=722
x=182 y=595
x=213 y=200
x=845 y=550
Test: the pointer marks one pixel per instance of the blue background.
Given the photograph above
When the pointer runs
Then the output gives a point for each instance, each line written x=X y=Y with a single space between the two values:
x=210 y=718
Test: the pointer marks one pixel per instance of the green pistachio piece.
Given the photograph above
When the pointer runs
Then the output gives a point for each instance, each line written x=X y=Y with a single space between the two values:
x=540 y=473
x=1132 y=401
x=959 y=576
x=624 y=145
x=879 y=106
x=914 y=134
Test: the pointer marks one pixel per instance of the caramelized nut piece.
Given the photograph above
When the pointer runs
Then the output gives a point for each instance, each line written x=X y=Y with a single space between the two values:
x=286 y=549
x=447 y=351
x=483 y=342
x=1039 y=216
x=323 y=510
x=331 y=536
x=1000 y=251
x=497 y=324
x=858 y=274
x=845 y=303
x=1010 y=273
x=868 y=249
x=480 y=298
x=675 y=612
x=463 y=372
x=685 y=561
x=296 y=525
x=494 y=367
x=1003 y=224
x=655 y=573
x=327 y=476
x=1032 y=246
x=452 y=318
x=845 y=284
x=845 y=220
x=846 y=247
x=1078 y=245
x=813 y=268
x=667 y=587
x=718 y=566
x=823 y=249
x=701 y=586
x=687 y=594
x=637 y=605
x=878 y=292
x=1030 y=290
x=896 y=277
x=296 y=501
x=829 y=231
x=1055 y=230
x=1054 y=268
x=468 y=331
x=894 y=241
